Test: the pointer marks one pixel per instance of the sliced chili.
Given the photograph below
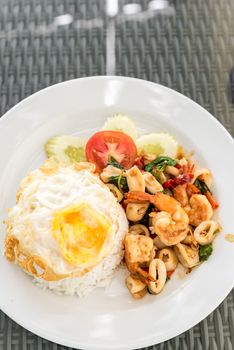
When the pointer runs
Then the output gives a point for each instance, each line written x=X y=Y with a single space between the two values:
x=179 y=180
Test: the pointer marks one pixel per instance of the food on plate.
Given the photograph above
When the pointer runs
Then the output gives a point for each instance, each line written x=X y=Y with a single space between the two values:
x=157 y=143
x=229 y=237
x=66 y=229
x=66 y=149
x=113 y=197
x=170 y=209
x=111 y=147
x=121 y=122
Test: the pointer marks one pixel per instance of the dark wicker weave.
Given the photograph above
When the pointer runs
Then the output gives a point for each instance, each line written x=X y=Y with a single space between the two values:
x=188 y=46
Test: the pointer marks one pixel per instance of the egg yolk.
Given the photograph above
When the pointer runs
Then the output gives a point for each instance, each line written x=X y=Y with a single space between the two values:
x=81 y=233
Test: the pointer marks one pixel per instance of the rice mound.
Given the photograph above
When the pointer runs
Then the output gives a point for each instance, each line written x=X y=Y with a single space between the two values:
x=99 y=276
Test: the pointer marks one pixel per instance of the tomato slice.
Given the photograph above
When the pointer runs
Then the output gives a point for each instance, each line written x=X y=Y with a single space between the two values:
x=106 y=144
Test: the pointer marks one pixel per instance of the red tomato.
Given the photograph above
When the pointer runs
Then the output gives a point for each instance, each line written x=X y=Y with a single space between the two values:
x=106 y=144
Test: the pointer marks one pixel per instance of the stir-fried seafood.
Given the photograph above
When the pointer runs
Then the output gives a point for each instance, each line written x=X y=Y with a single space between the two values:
x=169 y=207
x=166 y=198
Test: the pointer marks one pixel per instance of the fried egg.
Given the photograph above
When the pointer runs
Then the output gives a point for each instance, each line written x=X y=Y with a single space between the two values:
x=64 y=222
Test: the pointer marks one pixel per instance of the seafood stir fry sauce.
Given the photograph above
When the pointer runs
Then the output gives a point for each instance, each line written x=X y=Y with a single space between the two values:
x=169 y=205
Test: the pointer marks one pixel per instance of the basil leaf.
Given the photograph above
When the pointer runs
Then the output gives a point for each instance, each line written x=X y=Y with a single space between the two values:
x=160 y=163
x=205 y=252
x=112 y=161
x=146 y=218
x=202 y=186
x=119 y=181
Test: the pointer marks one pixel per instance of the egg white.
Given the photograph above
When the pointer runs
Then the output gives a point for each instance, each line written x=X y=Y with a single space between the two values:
x=41 y=195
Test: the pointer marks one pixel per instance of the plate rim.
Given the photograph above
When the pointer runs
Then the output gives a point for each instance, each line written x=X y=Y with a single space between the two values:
x=171 y=333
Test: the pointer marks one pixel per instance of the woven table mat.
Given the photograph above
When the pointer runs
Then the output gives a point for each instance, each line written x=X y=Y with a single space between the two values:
x=187 y=45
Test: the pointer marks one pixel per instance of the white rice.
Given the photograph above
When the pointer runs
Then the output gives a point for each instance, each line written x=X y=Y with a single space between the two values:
x=33 y=227
x=100 y=276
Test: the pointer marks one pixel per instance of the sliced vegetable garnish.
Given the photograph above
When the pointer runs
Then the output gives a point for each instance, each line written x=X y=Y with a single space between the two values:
x=158 y=143
x=121 y=122
x=105 y=145
x=205 y=252
x=66 y=149
x=160 y=163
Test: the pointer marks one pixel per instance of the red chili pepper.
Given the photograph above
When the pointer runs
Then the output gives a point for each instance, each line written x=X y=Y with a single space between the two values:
x=170 y=273
x=179 y=180
x=178 y=166
x=169 y=183
x=211 y=199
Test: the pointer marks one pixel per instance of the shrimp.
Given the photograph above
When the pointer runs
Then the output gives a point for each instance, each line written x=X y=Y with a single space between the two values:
x=169 y=230
x=138 y=197
x=200 y=211
x=181 y=195
x=171 y=224
x=161 y=201
x=188 y=168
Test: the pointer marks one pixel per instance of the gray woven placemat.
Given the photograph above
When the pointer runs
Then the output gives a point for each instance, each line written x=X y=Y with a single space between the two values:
x=186 y=45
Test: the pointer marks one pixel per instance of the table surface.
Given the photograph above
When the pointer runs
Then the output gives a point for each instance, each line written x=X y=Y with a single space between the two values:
x=183 y=44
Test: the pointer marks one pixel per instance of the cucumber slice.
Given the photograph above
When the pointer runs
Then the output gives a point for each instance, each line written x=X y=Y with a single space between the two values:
x=121 y=122
x=158 y=143
x=66 y=149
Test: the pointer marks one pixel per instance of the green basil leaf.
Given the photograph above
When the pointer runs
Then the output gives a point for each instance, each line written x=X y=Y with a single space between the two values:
x=119 y=180
x=202 y=186
x=112 y=161
x=160 y=163
x=205 y=252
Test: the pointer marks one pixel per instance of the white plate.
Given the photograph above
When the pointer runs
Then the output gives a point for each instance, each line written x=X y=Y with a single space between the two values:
x=112 y=319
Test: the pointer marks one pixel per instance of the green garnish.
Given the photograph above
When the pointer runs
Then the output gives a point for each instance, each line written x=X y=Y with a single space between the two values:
x=160 y=163
x=119 y=181
x=112 y=161
x=202 y=186
x=205 y=252
x=145 y=220
x=75 y=153
x=152 y=149
x=66 y=149
x=157 y=174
